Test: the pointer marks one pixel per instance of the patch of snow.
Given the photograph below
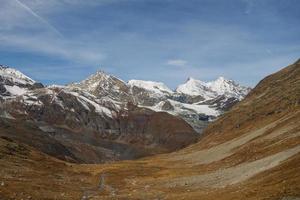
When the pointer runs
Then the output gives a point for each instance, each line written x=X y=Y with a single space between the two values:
x=184 y=108
x=30 y=98
x=56 y=86
x=32 y=102
x=86 y=102
x=157 y=87
x=15 y=90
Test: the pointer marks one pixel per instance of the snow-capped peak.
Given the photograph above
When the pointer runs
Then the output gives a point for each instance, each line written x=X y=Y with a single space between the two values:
x=99 y=79
x=157 y=87
x=228 y=87
x=102 y=75
x=13 y=83
x=194 y=87
x=14 y=75
x=212 y=89
x=104 y=85
x=191 y=79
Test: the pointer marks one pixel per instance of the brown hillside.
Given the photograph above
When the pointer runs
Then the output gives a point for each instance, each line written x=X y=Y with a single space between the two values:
x=252 y=152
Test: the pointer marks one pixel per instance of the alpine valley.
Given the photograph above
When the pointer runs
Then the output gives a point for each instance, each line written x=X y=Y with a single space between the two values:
x=103 y=118
x=250 y=152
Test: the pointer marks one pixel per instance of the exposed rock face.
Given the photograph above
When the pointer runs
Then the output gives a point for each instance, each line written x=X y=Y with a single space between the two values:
x=110 y=119
x=149 y=93
x=167 y=106
x=143 y=97
x=193 y=97
x=74 y=125
x=104 y=85
x=221 y=102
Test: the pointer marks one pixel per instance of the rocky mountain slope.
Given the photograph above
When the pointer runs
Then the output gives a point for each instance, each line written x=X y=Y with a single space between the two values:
x=102 y=85
x=108 y=118
x=14 y=83
x=75 y=125
x=195 y=101
x=251 y=152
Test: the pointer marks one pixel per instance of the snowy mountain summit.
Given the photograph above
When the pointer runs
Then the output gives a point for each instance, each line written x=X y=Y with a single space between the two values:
x=14 y=83
x=193 y=87
x=210 y=90
x=103 y=85
x=155 y=87
x=195 y=101
x=228 y=88
x=14 y=76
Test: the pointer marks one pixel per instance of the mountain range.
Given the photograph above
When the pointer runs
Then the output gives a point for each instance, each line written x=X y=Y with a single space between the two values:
x=195 y=101
x=109 y=118
x=252 y=151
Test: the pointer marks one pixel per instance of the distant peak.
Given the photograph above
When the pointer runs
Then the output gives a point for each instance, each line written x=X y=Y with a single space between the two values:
x=194 y=81
x=101 y=72
x=11 y=72
x=158 y=87
x=222 y=78
x=190 y=79
x=3 y=67
x=101 y=76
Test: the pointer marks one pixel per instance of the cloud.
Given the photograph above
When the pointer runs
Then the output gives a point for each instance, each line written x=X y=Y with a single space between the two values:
x=38 y=17
x=256 y=70
x=64 y=49
x=177 y=62
x=23 y=29
x=135 y=43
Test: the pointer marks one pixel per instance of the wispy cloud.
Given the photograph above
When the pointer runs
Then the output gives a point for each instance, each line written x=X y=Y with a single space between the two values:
x=23 y=29
x=48 y=45
x=38 y=17
x=177 y=62
x=138 y=38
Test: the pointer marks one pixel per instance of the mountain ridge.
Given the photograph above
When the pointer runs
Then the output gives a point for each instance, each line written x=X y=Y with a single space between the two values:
x=159 y=97
x=156 y=96
x=251 y=152
x=93 y=126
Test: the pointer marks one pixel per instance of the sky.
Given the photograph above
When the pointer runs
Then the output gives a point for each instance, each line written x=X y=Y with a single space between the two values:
x=63 y=41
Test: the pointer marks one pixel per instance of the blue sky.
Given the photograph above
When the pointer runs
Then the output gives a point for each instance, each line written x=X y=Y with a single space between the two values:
x=61 y=41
